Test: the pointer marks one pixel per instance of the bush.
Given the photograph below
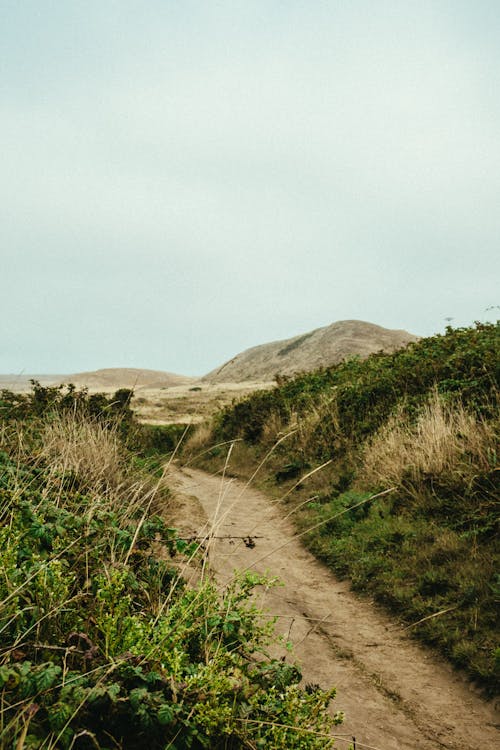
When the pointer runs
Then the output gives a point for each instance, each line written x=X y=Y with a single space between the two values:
x=102 y=644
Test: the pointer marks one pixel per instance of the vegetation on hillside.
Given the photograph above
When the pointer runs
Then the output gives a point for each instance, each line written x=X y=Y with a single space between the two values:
x=102 y=644
x=422 y=423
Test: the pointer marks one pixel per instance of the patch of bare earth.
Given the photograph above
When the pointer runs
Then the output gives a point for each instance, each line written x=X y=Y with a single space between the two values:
x=396 y=695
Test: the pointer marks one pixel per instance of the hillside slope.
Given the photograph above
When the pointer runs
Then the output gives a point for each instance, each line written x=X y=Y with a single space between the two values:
x=21 y=382
x=125 y=377
x=419 y=425
x=106 y=379
x=309 y=351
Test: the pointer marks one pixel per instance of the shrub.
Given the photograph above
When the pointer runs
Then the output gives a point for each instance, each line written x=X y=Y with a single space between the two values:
x=102 y=644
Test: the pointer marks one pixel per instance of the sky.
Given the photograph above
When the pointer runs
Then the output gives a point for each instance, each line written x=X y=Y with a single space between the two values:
x=183 y=180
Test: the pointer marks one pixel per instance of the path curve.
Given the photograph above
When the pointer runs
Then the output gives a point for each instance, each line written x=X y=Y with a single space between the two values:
x=396 y=695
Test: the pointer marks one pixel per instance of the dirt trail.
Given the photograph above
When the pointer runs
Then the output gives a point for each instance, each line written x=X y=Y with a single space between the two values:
x=395 y=694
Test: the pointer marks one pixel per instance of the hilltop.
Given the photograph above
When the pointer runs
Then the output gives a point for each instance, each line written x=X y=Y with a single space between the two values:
x=20 y=382
x=321 y=347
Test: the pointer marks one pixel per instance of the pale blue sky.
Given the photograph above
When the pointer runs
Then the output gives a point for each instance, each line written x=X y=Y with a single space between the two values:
x=181 y=181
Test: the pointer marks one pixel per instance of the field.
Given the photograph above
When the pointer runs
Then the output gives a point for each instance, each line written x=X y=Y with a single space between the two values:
x=189 y=404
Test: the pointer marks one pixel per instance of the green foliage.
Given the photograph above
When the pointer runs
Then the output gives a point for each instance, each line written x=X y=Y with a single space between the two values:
x=419 y=565
x=153 y=440
x=463 y=362
x=429 y=551
x=44 y=401
x=103 y=645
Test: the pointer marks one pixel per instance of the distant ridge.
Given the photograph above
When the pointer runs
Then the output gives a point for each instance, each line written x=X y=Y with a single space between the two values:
x=20 y=382
x=125 y=377
x=107 y=379
x=309 y=351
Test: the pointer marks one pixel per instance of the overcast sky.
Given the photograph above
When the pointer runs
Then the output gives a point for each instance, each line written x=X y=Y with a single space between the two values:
x=182 y=180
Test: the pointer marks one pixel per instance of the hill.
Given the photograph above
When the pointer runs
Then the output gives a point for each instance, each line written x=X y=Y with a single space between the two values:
x=106 y=379
x=124 y=377
x=19 y=383
x=322 y=347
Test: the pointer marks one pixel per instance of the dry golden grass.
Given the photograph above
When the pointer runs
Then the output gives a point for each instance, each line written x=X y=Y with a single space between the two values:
x=90 y=453
x=88 y=449
x=199 y=439
x=188 y=404
x=446 y=441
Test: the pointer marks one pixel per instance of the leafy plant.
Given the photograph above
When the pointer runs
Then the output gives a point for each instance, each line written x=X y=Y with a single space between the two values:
x=102 y=644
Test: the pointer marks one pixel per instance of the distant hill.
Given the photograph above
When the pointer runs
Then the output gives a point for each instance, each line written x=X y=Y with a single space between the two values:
x=107 y=379
x=125 y=377
x=319 y=348
x=19 y=383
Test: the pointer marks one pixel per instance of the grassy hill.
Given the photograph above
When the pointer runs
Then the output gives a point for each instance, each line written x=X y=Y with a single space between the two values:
x=319 y=348
x=419 y=425
x=112 y=378
x=106 y=379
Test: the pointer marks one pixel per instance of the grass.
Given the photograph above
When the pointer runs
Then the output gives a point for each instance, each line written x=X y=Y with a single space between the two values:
x=446 y=441
x=102 y=642
x=422 y=421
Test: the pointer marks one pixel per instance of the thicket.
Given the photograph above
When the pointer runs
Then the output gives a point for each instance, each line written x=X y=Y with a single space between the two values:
x=102 y=644
x=422 y=422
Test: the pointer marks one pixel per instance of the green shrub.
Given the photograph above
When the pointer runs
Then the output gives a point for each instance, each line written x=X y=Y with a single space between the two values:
x=102 y=644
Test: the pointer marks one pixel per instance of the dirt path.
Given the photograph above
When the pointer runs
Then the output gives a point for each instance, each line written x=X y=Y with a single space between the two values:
x=396 y=695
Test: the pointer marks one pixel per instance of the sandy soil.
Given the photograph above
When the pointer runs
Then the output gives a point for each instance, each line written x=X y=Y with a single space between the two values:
x=396 y=695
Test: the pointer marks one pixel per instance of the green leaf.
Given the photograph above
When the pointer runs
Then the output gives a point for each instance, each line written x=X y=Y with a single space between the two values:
x=99 y=691
x=47 y=676
x=137 y=696
x=165 y=714
x=59 y=715
x=4 y=676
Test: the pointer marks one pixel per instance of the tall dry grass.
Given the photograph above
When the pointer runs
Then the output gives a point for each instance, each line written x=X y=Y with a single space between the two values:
x=91 y=455
x=90 y=450
x=305 y=426
x=198 y=439
x=88 y=456
x=445 y=442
